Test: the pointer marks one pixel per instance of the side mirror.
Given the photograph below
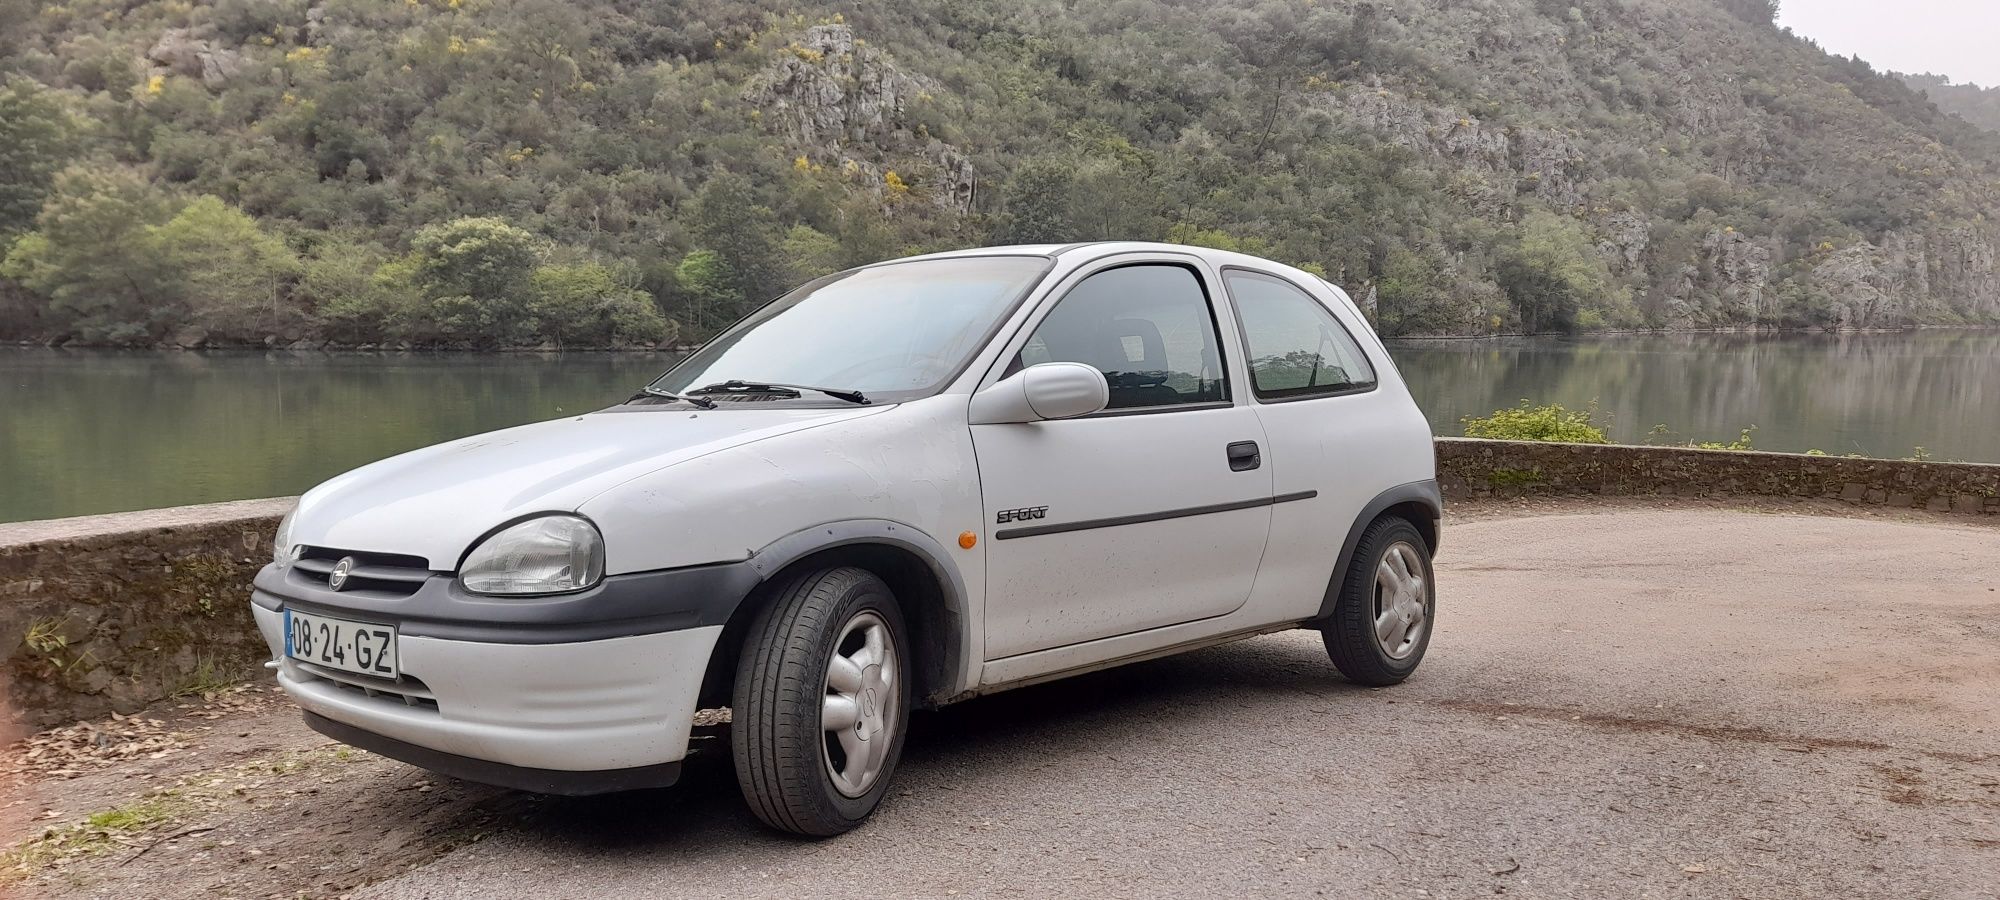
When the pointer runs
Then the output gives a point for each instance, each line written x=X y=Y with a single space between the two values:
x=1057 y=390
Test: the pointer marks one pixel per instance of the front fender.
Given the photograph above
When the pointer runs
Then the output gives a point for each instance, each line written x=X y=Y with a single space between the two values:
x=892 y=480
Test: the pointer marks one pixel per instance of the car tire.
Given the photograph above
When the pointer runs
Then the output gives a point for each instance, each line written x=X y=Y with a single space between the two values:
x=1387 y=609
x=816 y=741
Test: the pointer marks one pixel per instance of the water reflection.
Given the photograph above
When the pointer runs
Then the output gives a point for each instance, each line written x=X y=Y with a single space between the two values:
x=86 y=431
x=1874 y=394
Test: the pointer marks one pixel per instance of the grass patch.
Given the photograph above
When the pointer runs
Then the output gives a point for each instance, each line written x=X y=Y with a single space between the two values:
x=206 y=680
x=129 y=828
x=144 y=814
x=98 y=834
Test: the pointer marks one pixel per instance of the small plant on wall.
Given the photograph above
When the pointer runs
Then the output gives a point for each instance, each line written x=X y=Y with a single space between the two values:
x=1552 y=422
x=1661 y=435
x=49 y=652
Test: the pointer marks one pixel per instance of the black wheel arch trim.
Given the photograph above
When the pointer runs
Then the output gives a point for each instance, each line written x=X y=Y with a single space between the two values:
x=1422 y=493
x=955 y=625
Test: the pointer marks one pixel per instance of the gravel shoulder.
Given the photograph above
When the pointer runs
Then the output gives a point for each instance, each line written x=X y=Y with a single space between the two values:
x=1629 y=698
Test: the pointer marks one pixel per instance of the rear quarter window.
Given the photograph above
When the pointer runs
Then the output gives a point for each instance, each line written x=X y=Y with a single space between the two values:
x=1294 y=345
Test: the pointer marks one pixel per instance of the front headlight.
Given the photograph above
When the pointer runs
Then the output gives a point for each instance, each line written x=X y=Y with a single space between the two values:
x=282 y=552
x=548 y=555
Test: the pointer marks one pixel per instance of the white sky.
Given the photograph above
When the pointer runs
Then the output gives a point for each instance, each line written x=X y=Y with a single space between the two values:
x=1958 y=38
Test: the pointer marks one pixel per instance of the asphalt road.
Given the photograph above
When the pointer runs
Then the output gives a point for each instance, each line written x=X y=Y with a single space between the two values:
x=1635 y=703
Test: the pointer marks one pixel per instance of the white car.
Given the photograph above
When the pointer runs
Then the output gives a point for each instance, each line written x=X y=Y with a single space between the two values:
x=897 y=487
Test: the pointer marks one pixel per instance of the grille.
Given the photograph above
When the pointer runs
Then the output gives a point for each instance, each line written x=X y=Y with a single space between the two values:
x=378 y=574
x=406 y=690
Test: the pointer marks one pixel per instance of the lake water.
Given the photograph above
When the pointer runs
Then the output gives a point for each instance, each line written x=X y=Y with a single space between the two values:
x=98 y=431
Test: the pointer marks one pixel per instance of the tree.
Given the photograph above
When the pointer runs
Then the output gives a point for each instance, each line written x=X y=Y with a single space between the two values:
x=1037 y=206
x=703 y=280
x=730 y=222
x=1410 y=294
x=581 y=304
x=1756 y=12
x=358 y=293
x=1215 y=238
x=12 y=14
x=1115 y=199
x=36 y=138
x=473 y=276
x=92 y=259
x=232 y=276
x=481 y=257
x=809 y=254
x=1551 y=273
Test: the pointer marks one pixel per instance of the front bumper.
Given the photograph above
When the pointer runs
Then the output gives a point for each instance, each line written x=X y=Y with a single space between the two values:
x=586 y=706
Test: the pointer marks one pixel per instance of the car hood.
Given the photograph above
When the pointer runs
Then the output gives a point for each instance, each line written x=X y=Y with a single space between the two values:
x=436 y=501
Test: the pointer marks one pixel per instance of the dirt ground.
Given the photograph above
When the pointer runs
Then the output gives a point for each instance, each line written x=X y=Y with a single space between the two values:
x=1664 y=699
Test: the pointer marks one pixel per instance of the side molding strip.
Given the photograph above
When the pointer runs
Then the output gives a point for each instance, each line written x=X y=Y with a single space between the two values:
x=1009 y=534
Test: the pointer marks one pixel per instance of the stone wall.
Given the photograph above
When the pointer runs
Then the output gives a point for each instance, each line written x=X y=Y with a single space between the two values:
x=110 y=613
x=105 y=614
x=1470 y=468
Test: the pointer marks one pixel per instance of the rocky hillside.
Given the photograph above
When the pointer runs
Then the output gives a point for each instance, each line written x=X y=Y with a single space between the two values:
x=504 y=172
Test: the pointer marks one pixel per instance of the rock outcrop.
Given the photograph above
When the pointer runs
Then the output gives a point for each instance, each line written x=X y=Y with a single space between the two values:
x=1542 y=162
x=849 y=105
x=193 y=52
x=1911 y=277
x=1938 y=274
x=1622 y=240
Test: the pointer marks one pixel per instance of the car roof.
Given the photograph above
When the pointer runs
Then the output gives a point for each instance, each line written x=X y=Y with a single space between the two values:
x=1087 y=250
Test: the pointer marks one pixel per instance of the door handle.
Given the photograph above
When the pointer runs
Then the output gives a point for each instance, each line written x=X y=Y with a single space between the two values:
x=1244 y=456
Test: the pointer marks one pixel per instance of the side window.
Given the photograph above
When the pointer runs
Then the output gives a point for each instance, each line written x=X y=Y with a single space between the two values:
x=1296 y=347
x=1146 y=327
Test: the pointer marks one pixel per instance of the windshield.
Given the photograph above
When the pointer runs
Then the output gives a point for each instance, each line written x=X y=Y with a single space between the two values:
x=893 y=332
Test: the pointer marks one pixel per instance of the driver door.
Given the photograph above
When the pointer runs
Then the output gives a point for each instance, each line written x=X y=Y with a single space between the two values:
x=1151 y=513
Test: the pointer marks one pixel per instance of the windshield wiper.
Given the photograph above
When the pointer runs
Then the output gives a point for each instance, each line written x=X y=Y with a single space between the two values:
x=739 y=386
x=651 y=391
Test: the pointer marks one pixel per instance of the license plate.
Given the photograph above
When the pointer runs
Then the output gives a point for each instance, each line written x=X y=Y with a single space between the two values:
x=357 y=647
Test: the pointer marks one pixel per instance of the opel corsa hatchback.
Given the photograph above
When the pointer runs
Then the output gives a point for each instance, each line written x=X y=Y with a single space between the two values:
x=895 y=488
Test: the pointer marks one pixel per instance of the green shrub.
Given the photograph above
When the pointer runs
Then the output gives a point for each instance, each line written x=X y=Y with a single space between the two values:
x=1538 y=423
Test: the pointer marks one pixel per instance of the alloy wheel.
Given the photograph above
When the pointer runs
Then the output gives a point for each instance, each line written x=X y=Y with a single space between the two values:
x=859 y=711
x=1402 y=601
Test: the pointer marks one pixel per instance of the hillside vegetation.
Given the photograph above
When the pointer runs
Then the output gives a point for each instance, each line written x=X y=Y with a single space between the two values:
x=602 y=172
x=1977 y=105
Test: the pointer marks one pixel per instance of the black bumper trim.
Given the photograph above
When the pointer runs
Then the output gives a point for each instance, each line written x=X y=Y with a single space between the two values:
x=540 y=781
x=619 y=606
